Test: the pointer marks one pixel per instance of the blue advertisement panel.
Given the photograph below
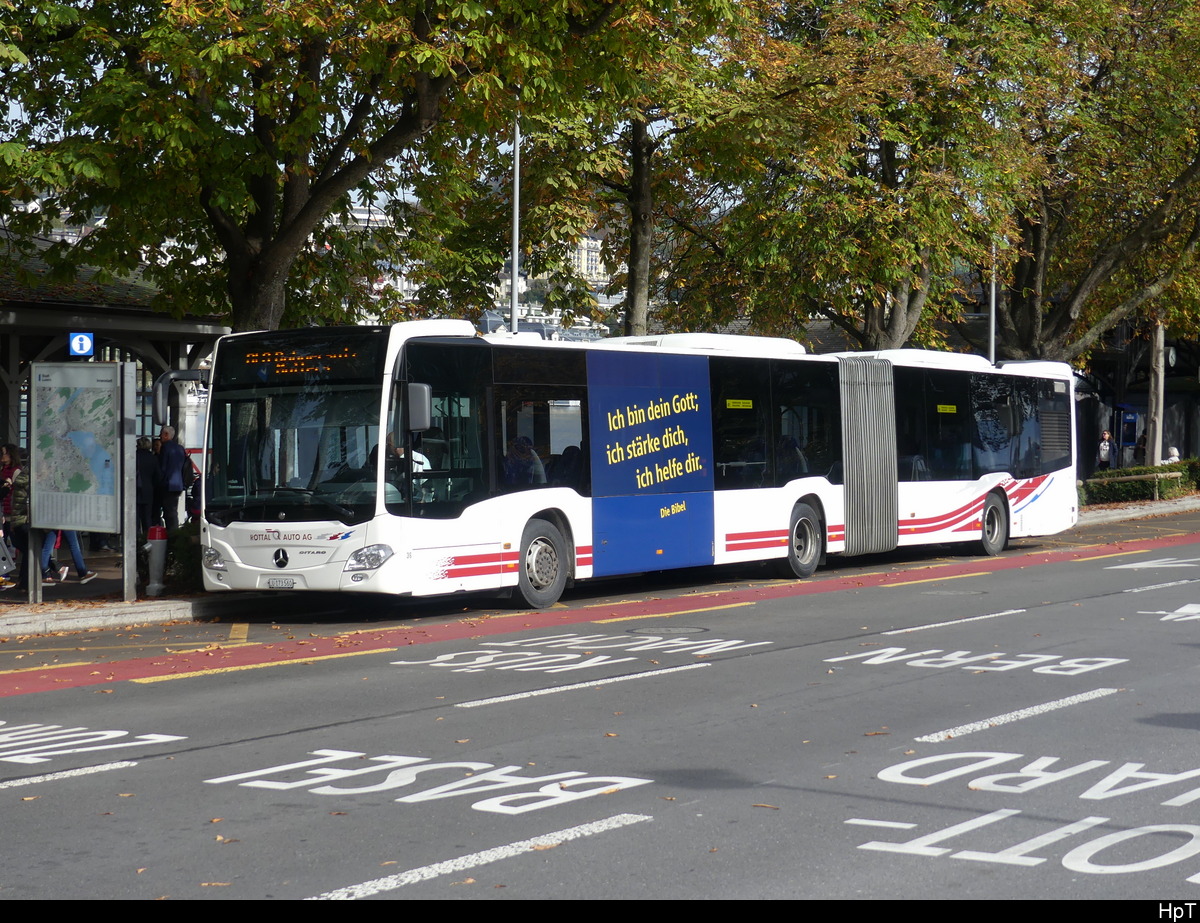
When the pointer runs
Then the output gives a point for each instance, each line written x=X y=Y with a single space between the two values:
x=652 y=479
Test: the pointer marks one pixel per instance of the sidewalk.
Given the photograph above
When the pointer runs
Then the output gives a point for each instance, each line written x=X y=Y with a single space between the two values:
x=71 y=606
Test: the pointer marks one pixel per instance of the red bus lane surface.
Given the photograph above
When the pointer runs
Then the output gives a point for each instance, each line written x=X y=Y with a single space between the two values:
x=216 y=659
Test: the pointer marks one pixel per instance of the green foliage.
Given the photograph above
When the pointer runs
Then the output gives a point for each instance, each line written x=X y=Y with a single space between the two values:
x=1108 y=223
x=218 y=137
x=862 y=175
x=575 y=169
x=862 y=162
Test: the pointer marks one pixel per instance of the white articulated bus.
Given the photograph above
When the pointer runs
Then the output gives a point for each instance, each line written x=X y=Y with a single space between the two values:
x=423 y=459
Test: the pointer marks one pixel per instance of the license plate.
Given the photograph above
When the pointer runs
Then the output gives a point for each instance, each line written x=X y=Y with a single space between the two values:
x=280 y=583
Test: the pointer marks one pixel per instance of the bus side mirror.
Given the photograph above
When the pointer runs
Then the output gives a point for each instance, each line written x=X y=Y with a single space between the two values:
x=420 y=407
x=162 y=386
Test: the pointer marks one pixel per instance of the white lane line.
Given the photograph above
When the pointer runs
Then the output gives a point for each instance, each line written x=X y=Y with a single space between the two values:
x=475 y=703
x=474 y=860
x=66 y=774
x=1011 y=716
x=974 y=618
x=890 y=824
x=1159 y=586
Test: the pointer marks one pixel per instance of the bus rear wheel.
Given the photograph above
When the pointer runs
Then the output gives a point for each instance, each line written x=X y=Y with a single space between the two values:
x=995 y=526
x=804 y=543
x=542 y=575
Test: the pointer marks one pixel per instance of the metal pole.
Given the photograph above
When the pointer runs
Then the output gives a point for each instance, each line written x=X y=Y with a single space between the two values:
x=129 y=536
x=992 y=310
x=516 y=224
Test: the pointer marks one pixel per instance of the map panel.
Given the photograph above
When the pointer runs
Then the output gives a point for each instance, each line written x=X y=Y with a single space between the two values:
x=75 y=446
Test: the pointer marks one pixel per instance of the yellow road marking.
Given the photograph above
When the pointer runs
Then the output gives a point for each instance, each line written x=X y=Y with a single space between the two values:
x=982 y=573
x=51 y=666
x=210 y=646
x=238 y=631
x=27 y=651
x=667 y=615
x=258 y=666
x=1118 y=554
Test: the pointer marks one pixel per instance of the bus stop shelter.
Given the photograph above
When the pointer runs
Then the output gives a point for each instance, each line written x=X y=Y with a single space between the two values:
x=38 y=314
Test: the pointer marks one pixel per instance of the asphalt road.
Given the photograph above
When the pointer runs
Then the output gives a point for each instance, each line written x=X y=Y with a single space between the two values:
x=906 y=726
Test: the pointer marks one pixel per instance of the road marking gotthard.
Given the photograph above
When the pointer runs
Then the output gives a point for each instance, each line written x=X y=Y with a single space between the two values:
x=242 y=656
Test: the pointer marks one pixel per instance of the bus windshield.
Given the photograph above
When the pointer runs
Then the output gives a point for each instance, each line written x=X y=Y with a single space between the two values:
x=294 y=428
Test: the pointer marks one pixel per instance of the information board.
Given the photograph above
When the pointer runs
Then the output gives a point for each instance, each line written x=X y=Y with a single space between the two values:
x=75 y=446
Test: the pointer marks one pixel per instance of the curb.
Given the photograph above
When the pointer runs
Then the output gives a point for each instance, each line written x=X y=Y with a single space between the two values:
x=53 y=617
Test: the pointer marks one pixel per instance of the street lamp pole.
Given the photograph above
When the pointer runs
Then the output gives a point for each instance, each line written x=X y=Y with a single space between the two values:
x=516 y=224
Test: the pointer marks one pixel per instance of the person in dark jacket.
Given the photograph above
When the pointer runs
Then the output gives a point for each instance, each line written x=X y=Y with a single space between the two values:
x=148 y=481
x=19 y=526
x=171 y=462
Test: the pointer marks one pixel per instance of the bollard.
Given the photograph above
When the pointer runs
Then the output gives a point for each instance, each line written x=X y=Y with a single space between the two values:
x=156 y=538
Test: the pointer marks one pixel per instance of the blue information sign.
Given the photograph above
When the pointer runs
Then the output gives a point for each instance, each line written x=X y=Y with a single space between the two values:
x=81 y=344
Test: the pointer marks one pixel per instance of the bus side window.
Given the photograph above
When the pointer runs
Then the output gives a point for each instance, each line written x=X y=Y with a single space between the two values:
x=807 y=412
x=539 y=437
x=741 y=423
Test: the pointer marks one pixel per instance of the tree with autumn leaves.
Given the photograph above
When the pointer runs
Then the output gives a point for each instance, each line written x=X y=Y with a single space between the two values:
x=1106 y=224
x=868 y=163
x=909 y=150
x=219 y=137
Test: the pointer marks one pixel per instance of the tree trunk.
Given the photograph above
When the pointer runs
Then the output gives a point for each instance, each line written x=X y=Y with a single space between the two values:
x=257 y=292
x=641 y=229
x=1154 y=434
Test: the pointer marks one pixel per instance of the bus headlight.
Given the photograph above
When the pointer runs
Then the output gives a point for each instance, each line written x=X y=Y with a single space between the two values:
x=213 y=559
x=369 y=558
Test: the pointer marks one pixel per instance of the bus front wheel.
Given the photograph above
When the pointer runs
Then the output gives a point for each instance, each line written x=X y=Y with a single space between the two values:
x=804 y=543
x=995 y=526
x=543 y=571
